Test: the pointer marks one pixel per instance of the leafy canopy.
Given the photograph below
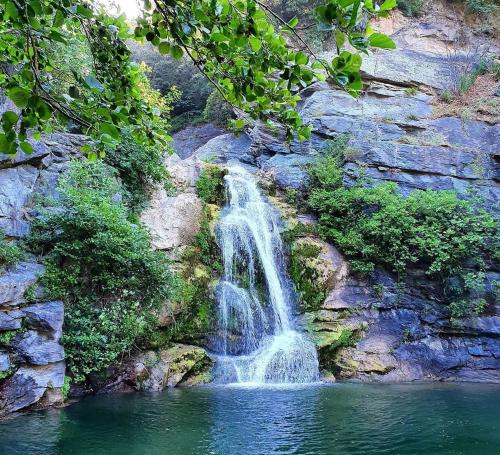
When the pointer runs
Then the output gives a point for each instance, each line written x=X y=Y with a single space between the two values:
x=233 y=42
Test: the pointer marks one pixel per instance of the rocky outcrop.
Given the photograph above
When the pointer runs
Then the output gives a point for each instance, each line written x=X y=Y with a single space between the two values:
x=156 y=370
x=25 y=175
x=174 y=217
x=172 y=220
x=402 y=334
x=398 y=132
x=31 y=357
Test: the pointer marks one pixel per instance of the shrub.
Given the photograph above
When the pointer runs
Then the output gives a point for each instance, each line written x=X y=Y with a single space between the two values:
x=10 y=253
x=413 y=8
x=140 y=168
x=376 y=225
x=101 y=265
x=481 y=7
x=210 y=185
x=217 y=110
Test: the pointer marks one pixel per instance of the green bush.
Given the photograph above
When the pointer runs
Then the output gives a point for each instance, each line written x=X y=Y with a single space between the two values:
x=10 y=253
x=481 y=7
x=140 y=167
x=217 y=110
x=210 y=185
x=101 y=265
x=413 y=8
x=434 y=230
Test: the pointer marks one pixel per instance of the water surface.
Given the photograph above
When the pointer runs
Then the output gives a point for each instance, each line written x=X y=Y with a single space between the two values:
x=339 y=419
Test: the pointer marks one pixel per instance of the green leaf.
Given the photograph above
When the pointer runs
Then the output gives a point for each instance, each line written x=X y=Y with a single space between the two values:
x=58 y=19
x=388 y=5
x=84 y=11
x=9 y=118
x=293 y=22
x=301 y=58
x=26 y=148
x=255 y=43
x=382 y=41
x=73 y=92
x=339 y=39
x=177 y=52
x=164 y=48
x=43 y=110
x=19 y=96
x=218 y=37
x=111 y=130
x=11 y=10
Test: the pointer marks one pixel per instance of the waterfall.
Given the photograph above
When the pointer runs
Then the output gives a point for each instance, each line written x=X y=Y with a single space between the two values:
x=255 y=339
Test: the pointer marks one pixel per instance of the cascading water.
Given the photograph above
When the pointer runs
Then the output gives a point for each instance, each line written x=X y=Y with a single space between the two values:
x=256 y=341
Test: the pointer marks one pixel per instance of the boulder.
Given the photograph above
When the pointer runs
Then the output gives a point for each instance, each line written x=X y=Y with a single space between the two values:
x=157 y=370
x=191 y=138
x=10 y=320
x=14 y=283
x=36 y=349
x=224 y=148
x=46 y=318
x=184 y=173
x=173 y=221
x=28 y=386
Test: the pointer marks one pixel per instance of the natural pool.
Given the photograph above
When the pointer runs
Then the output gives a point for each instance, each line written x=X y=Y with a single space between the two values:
x=338 y=419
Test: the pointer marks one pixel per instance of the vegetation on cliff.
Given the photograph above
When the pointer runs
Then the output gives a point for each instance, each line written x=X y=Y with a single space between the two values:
x=451 y=238
x=101 y=265
x=10 y=253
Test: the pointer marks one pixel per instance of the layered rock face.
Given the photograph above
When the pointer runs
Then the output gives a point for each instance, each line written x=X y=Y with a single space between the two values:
x=31 y=357
x=399 y=131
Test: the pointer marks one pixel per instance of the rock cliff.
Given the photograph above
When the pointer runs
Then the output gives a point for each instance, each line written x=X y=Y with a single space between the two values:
x=402 y=131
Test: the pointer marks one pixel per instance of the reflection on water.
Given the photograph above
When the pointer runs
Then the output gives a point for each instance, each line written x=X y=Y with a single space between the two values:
x=340 y=419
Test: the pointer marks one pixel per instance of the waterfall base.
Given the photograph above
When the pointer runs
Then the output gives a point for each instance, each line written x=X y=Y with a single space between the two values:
x=285 y=358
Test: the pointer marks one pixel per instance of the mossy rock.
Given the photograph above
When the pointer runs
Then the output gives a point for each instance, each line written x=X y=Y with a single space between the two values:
x=316 y=268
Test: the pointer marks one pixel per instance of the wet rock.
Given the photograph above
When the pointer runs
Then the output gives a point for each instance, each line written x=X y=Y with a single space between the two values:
x=172 y=220
x=29 y=385
x=485 y=325
x=36 y=349
x=326 y=266
x=14 y=283
x=5 y=363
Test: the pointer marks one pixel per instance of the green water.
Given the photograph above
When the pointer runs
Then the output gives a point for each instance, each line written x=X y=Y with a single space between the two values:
x=339 y=419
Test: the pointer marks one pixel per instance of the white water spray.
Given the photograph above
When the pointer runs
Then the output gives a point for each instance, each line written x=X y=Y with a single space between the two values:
x=256 y=341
